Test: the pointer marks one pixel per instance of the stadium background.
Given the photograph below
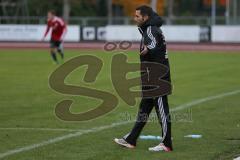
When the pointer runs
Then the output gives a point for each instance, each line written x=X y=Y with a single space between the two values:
x=203 y=38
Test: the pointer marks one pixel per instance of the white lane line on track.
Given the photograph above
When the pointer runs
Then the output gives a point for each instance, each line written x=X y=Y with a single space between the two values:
x=97 y=129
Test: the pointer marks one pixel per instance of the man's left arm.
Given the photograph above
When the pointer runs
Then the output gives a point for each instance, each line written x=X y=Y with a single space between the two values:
x=64 y=32
x=151 y=39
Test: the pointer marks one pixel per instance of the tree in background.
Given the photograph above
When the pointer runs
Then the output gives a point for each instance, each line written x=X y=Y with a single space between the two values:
x=77 y=7
x=40 y=7
x=197 y=7
x=128 y=7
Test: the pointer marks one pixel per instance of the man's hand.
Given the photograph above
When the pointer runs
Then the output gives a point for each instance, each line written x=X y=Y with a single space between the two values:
x=145 y=51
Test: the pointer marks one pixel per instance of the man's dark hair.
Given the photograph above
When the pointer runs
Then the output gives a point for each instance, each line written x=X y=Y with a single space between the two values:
x=145 y=10
x=52 y=12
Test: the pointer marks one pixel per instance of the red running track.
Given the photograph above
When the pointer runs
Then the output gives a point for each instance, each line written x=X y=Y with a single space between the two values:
x=223 y=47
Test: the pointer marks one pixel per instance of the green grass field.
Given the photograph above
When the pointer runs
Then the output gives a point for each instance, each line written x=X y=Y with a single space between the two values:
x=29 y=127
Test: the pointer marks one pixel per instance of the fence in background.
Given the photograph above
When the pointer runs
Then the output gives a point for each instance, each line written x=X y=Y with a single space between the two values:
x=103 y=21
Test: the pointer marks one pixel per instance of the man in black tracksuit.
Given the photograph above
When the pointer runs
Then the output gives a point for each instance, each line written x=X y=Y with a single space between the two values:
x=152 y=50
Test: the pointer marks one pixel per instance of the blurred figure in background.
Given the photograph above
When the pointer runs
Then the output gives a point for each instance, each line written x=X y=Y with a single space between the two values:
x=59 y=29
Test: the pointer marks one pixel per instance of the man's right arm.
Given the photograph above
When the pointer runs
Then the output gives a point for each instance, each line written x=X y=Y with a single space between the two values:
x=47 y=30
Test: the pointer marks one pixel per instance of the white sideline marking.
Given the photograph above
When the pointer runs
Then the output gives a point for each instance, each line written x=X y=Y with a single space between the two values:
x=202 y=100
x=60 y=138
x=238 y=158
x=97 y=129
x=42 y=129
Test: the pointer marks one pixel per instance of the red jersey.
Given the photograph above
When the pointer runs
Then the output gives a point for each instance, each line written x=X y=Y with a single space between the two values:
x=58 y=28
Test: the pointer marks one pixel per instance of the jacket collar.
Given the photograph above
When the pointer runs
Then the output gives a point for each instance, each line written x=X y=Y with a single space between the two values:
x=140 y=30
x=144 y=26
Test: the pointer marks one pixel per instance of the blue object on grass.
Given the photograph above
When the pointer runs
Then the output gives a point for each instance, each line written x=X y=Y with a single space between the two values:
x=151 y=137
x=193 y=136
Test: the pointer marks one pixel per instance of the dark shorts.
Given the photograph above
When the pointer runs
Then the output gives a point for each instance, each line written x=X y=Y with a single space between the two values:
x=55 y=44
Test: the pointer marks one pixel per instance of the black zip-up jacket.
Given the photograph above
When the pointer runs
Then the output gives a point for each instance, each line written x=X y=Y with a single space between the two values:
x=154 y=40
